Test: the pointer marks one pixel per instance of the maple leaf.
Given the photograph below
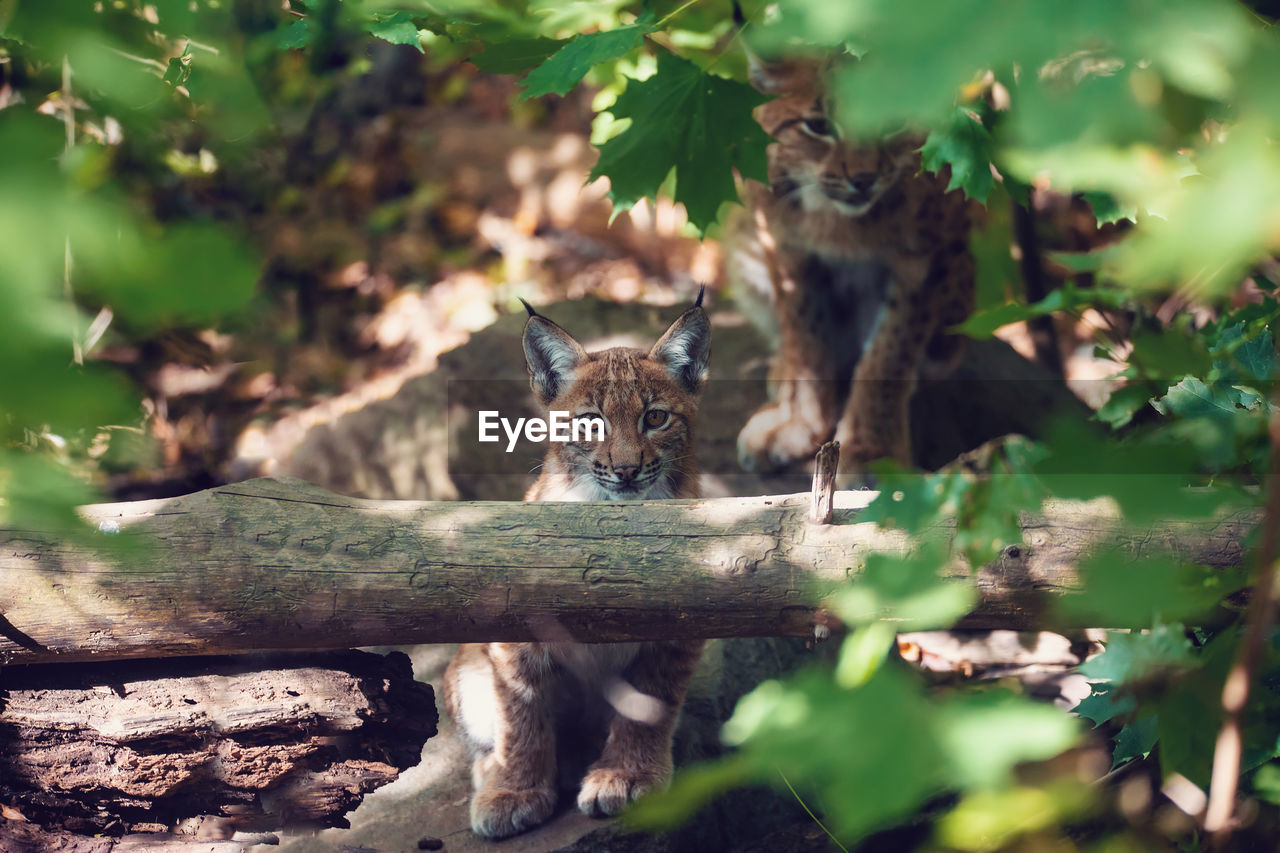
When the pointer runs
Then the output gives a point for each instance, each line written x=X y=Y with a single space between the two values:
x=700 y=123
x=964 y=145
x=565 y=68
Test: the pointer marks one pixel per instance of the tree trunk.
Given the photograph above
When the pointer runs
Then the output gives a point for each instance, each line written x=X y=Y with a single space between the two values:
x=267 y=741
x=280 y=564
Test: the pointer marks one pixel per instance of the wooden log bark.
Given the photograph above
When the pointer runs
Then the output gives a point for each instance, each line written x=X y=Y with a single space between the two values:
x=263 y=741
x=280 y=564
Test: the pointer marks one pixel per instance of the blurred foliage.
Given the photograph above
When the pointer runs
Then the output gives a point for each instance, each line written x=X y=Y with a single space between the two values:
x=1162 y=114
x=74 y=240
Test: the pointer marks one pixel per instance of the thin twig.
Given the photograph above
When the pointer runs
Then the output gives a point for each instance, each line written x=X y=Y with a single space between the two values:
x=69 y=127
x=667 y=17
x=1235 y=692
x=805 y=806
x=737 y=34
x=155 y=65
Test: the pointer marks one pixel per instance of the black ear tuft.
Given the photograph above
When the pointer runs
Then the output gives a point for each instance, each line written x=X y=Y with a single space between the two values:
x=701 y=290
x=685 y=349
x=551 y=356
x=529 y=308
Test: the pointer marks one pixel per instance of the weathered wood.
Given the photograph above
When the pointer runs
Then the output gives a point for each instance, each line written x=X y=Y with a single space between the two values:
x=281 y=564
x=826 y=466
x=262 y=741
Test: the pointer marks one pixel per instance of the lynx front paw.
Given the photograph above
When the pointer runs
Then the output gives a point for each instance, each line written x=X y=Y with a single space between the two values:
x=606 y=791
x=496 y=813
x=772 y=440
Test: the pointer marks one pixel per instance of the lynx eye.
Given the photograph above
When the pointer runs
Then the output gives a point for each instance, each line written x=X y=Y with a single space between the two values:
x=584 y=420
x=656 y=418
x=819 y=127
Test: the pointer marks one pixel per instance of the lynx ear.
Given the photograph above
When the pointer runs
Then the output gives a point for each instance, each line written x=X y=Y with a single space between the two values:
x=769 y=78
x=685 y=348
x=551 y=356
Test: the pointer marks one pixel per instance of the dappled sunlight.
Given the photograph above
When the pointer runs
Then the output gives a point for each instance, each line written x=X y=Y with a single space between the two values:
x=292 y=239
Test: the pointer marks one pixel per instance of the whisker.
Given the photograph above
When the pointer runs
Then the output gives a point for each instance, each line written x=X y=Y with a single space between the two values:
x=789 y=188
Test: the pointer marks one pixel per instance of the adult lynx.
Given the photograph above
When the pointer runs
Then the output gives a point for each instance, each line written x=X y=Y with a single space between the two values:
x=865 y=259
x=526 y=708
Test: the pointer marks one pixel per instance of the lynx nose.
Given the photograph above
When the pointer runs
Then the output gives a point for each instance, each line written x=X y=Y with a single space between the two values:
x=862 y=182
x=626 y=473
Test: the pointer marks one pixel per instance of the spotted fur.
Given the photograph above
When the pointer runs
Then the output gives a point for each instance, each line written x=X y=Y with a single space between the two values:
x=528 y=709
x=865 y=259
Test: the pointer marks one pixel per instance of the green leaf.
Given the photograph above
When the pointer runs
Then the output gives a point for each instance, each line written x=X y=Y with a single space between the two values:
x=1132 y=657
x=1105 y=704
x=1068 y=297
x=1117 y=591
x=692 y=788
x=39 y=494
x=1258 y=357
x=568 y=65
x=908 y=590
x=986 y=734
x=805 y=728
x=1219 y=421
x=1189 y=713
x=810 y=730
x=998 y=278
x=515 y=55
x=989 y=820
x=862 y=653
x=1123 y=404
x=699 y=122
x=908 y=500
x=1135 y=740
x=1106 y=209
x=296 y=36
x=1266 y=783
x=179 y=69
x=964 y=144
x=1187 y=729
x=1215 y=223
x=397 y=28
x=1170 y=353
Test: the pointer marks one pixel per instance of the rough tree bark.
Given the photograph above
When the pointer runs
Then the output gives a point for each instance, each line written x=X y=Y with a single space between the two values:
x=274 y=564
x=267 y=741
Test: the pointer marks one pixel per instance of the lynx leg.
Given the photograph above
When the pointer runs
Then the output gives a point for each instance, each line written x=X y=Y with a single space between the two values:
x=497 y=693
x=876 y=420
x=804 y=408
x=875 y=423
x=637 y=755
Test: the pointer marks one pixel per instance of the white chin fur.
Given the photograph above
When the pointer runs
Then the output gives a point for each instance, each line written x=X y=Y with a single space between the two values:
x=586 y=488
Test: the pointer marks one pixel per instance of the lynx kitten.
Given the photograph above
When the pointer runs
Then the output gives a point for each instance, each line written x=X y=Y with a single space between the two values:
x=526 y=709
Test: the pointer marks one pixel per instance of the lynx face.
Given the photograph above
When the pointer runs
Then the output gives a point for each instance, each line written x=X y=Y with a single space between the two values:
x=811 y=164
x=648 y=402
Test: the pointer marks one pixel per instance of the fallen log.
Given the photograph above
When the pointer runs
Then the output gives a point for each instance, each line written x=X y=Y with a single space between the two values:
x=262 y=741
x=281 y=564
